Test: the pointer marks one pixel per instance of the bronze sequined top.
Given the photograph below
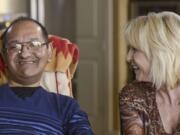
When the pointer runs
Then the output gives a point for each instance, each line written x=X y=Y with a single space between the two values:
x=138 y=111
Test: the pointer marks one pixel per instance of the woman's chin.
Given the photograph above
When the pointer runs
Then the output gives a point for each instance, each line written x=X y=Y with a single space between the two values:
x=141 y=78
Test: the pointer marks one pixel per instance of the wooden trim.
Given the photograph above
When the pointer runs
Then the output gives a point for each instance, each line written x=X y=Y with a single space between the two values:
x=120 y=49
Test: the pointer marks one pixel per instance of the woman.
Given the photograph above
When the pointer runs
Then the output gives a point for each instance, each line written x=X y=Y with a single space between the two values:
x=151 y=104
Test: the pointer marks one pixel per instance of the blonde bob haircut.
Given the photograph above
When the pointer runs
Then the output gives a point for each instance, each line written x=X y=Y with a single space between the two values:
x=157 y=35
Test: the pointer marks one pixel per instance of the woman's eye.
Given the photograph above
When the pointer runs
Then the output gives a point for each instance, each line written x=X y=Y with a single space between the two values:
x=132 y=49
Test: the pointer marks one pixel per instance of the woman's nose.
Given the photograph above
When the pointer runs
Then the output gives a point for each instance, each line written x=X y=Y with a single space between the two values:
x=130 y=55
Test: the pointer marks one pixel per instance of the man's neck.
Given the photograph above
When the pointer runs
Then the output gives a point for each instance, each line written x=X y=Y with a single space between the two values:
x=16 y=84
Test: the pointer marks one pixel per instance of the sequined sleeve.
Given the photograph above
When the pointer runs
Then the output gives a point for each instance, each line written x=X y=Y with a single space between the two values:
x=133 y=110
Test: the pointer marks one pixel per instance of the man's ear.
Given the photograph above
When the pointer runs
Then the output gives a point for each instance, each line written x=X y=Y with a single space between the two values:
x=50 y=50
x=2 y=54
x=3 y=58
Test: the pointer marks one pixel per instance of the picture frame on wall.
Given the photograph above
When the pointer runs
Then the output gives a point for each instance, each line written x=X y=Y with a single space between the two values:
x=139 y=7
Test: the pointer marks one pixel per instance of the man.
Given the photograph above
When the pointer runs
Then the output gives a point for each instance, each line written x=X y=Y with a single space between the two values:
x=25 y=107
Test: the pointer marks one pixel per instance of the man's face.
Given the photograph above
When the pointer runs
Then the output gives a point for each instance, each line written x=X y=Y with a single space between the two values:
x=26 y=65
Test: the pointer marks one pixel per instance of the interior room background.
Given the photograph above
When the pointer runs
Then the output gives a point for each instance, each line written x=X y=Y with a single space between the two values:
x=96 y=26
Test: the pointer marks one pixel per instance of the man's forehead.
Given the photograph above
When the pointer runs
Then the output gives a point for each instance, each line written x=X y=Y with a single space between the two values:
x=20 y=25
x=25 y=29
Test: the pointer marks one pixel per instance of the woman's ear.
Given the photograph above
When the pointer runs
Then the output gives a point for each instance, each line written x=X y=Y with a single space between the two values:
x=50 y=50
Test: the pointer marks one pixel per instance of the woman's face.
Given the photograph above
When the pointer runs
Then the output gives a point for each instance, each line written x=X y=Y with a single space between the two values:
x=139 y=63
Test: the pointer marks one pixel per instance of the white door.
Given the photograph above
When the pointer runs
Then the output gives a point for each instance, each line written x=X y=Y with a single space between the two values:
x=94 y=76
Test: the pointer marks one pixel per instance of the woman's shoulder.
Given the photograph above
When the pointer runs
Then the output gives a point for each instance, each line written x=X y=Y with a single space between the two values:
x=139 y=92
x=138 y=89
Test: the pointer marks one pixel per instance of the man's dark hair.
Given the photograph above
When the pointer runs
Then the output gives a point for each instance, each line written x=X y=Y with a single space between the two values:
x=5 y=34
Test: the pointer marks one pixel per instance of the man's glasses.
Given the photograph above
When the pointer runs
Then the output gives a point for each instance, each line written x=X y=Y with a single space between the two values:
x=16 y=47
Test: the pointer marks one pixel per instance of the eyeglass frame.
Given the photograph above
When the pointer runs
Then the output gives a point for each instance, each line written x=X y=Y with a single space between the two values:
x=28 y=43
